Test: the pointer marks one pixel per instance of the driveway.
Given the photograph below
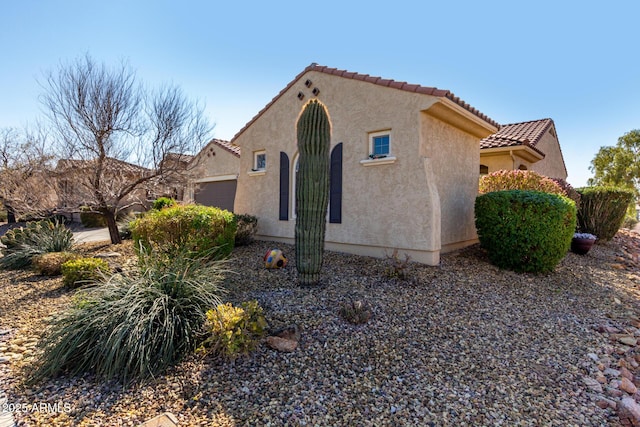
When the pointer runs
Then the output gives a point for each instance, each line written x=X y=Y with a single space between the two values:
x=91 y=235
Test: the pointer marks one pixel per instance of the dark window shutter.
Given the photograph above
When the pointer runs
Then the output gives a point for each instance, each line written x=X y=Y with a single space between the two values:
x=284 y=186
x=335 y=186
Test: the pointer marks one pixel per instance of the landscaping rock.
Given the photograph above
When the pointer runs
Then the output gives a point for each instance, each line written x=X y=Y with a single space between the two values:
x=629 y=412
x=282 y=344
x=628 y=386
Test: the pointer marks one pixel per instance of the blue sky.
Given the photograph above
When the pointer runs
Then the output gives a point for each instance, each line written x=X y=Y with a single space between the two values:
x=576 y=62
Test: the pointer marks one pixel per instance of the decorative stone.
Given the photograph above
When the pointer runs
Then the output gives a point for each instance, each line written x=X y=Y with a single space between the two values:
x=614 y=392
x=163 y=420
x=629 y=411
x=628 y=340
x=593 y=357
x=628 y=386
x=612 y=372
x=605 y=403
x=626 y=373
x=282 y=344
x=108 y=255
x=592 y=384
x=289 y=333
x=601 y=378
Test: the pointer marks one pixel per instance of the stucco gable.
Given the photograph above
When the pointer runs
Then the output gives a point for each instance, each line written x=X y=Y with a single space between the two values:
x=379 y=81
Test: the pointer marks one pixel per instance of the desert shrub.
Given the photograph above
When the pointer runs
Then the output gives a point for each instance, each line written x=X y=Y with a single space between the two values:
x=525 y=231
x=397 y=267
x=77 y=272
x=36 y=238
x=518 y=180
x=356 y=311
x=233 y=331
x=629 y=222
x=50 y=264
x=131 y=327
x=195 y=228
x=162 y=202
x=91 y=219
x=3 y=215
x=247 y=225
x=602 y=210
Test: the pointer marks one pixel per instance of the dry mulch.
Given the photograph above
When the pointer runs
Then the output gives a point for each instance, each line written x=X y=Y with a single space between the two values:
x=462 y=343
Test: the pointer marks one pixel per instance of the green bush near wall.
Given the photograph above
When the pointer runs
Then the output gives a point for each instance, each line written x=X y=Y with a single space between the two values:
x=525 y=231
x=200 y=230
x=602 y=210
x=91 y=219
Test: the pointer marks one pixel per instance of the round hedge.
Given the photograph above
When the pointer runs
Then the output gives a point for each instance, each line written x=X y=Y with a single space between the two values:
x=525 y=231
x=200 y=230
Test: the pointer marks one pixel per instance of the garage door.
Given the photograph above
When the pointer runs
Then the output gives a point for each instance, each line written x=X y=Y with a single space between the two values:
x=220 y=194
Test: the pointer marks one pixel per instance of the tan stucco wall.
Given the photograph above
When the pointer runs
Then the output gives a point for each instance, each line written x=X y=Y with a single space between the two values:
x=384 y=206
x=454 y=157
x=553 y=164
x=500 y=162
x=212 y=163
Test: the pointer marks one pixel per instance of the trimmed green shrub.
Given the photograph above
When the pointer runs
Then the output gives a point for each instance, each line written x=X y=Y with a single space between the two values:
x=50 y=264
x=79 y=271
x=503 y=180
x=36 y=238
x=163 y=202
x=195 y=228
x=131 y=327
x=525 y=231
x=91 y=219
x=246 y=229
x=234 y=330
x=602 y=210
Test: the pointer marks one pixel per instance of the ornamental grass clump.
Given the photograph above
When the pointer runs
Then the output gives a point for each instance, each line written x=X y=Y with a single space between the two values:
x=132 y=326
x=36 y=238
x=602 y=210
x=194 y=228
x=525 y=231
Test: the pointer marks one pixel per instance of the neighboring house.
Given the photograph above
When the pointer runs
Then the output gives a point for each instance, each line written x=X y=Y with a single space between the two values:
x=404 y=164
x=530 y=145
x=75 y=188
x=213 y=175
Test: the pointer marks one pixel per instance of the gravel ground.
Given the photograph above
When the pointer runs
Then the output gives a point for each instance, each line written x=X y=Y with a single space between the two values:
x=462 y=344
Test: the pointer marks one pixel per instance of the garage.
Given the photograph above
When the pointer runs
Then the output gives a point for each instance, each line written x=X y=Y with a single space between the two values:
x=220 y=194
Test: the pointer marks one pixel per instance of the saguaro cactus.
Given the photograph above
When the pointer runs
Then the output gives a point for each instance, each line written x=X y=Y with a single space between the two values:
x=312 y=190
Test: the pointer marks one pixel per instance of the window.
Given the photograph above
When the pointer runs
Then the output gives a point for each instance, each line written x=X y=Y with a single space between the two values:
x=380 y=144
x=484 y=170
x=259 y=160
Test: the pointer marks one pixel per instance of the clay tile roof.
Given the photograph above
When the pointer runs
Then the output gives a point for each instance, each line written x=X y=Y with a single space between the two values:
x=110 y=163
x=525 y=133
x=442 y=93
x=228 y=146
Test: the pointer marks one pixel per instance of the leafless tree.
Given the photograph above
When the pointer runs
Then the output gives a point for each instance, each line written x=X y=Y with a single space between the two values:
x=114 y=135
x=26 y=187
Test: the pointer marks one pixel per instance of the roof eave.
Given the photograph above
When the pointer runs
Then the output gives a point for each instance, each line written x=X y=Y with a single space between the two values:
x=523 y=151
x=451 y=112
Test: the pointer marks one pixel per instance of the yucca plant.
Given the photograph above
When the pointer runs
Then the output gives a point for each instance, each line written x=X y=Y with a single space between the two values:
x=131 y=327
x=24 y=243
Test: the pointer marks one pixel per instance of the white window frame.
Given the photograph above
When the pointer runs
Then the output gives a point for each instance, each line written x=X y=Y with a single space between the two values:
x=255 y=170
x=388 y=158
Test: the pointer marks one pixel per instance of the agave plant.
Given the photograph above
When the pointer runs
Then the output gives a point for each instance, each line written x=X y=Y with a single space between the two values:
x=24 y=243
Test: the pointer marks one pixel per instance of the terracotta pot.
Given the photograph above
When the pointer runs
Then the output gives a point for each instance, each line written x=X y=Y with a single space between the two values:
x=581 y=246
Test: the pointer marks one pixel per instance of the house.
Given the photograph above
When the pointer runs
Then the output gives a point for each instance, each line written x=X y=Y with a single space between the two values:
x=213 y=174
x=531 y=145
x=404 y=164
